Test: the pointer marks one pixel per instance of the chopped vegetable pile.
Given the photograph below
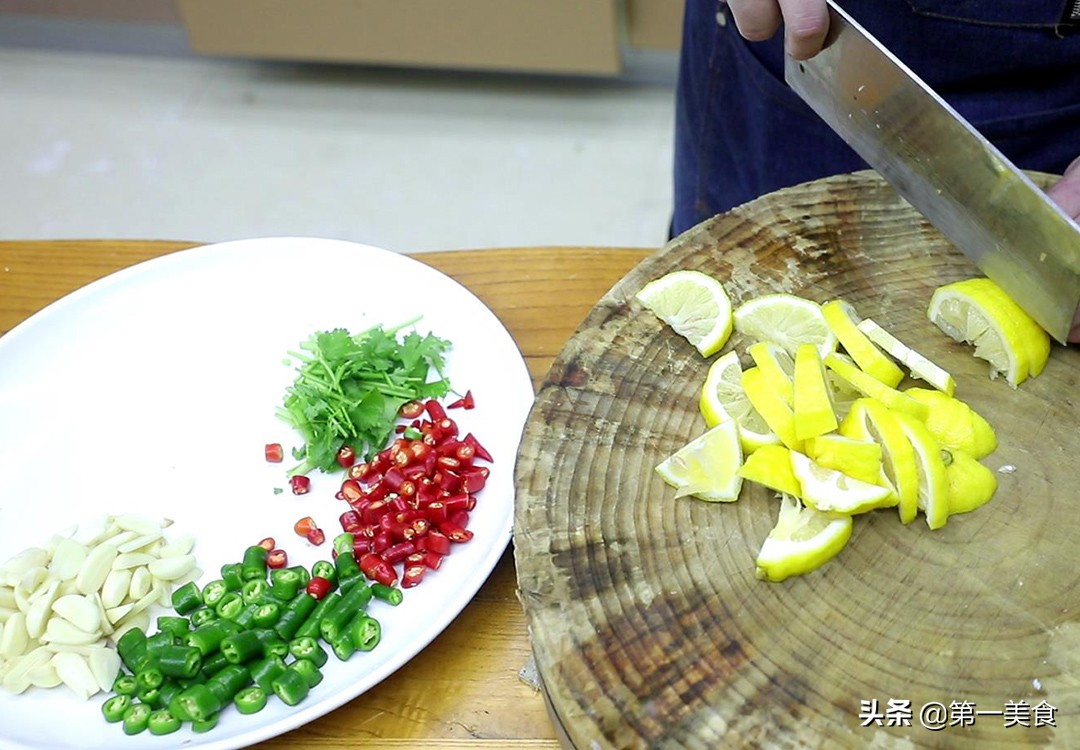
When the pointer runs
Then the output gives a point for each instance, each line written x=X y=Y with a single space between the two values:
x=349 y=388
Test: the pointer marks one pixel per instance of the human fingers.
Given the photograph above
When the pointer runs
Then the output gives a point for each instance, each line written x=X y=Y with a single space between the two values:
x=806 y=22
x=757 y=20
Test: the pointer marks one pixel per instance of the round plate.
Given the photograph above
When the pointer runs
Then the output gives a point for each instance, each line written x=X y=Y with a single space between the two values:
x=154 y=390
x=648 y=624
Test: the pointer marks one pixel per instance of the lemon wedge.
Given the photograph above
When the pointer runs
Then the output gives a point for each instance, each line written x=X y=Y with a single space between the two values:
x=971 y=484
x=776 y=365
x=707 y=467
x=832 y=491
x=814 y=412
x=844 y=322
x=870 y=386
x=872 y=420
x=770 y=465
x=694 y=304
x=919 y=366
x=802 y=541
x=785 y=320
x=772 y=407
x=722 y=399
x=954 y=424
x=977 y=311
x=860 y=459
x=933 y=494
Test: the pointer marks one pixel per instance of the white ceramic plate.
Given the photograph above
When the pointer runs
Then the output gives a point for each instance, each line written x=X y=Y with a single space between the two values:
x=154 y=390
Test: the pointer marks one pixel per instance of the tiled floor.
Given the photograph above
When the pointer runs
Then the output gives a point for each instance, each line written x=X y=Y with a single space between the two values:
x=99 y=144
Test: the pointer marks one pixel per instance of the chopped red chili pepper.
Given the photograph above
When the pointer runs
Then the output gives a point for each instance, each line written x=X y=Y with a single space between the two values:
x=346 y=456
x=277 y=558
x=413 y=575
x=411 y=409
x=274 y=453
x=319 y=587
x=304 y=525
x=268 y=543
x=376 y=568
x=316 y=536
x=465 y=402
x=301 y=485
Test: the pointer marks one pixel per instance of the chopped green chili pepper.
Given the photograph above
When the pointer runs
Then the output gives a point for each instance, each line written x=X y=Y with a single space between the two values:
x=246 y=618
x=207 y=638
x=265 y=671
x=250 y=700
x=187 y=598
x=343 y=647
x=228 y=682
x=151 y=696
x=306 y=647
x=241 y=647
x=177 y=627
x=180 y=661
x=213 y=592
x=295 y=615
x=303 y=573
x=230 y=606
x=205 y=725
x=125 y=684
x=136 y=718
x=324 y=569
x=267 y=615
x=346 y=565
x=231 y=574
x=149 y=678
x=156 y=642
x=199 y=702
x=365 y=631
x=346 y=583
x=343 y=543
x=291 y=687
x=389 y=594
x=334 y=623
x=254 y=590
x=175 y=705
x=168 y=694
x=132 y=649
x=253 y=566
x=114 y=708
x=306 y=669
x=162 y=722
x=213 y=664
x=272 y=643
x=284 y=583
x=310 y=628
x=201 y=616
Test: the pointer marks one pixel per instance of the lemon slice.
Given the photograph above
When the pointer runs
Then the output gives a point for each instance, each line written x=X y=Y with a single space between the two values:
x=971 y=484
x=770 y=465
x=870 y=386
x=919 y=365
x=872 y=420
x=694 y=304
x=829 y=490
x=776 y=365
x=975 y=311
x=860 y=459
x=844 y=322
x=707 y=467
x=933 y=479
x=722 y=399
x=954 y=424
x=803 y=540
x=785 y=320
x=814 y=412
x=771 y=406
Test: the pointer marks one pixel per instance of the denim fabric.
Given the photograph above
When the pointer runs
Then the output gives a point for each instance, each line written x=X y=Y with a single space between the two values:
x=1008 y=66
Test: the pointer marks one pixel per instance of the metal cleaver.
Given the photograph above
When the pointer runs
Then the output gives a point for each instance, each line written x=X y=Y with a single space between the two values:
x=946 y=169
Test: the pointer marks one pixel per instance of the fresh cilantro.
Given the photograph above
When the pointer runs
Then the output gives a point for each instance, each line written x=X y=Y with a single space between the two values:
x=278 y=490
x=349 y=388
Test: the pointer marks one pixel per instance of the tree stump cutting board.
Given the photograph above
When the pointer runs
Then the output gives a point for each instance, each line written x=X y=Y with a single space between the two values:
x=648 y=625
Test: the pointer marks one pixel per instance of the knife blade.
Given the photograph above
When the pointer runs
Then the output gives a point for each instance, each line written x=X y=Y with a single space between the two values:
x=946 y=169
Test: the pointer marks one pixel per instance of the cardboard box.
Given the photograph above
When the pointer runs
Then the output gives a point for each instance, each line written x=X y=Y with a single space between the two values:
x=655 y=24
x=551 y=36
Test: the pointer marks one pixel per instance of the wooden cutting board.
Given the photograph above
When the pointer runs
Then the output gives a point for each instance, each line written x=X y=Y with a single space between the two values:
x=648 y=625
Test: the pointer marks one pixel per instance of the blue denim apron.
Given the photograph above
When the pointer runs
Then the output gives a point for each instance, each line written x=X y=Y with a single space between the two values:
x=1011 y=67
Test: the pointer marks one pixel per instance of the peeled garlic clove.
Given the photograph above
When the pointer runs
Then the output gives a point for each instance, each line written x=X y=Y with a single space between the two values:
x=132 y=560
x=14 y=640
x=95 y=568
x=40 y=611
x=7 y=597
x=16 y=567
x=44 y=676
x=139 y=542
x=116 y=587
x=116 y=614
x=171 y=568
x=62 y=631
x=182 y=545
x=75 y=673
x=141 y=581
x=139 y=524
x=80 y=611
x=67 y=559
x=105 y=665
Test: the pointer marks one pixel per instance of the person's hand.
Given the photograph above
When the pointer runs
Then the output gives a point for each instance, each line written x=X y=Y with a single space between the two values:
x=805 y=23
x=1066 y=193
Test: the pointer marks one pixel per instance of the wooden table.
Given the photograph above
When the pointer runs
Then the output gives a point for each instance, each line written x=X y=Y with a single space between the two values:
x=463 y=690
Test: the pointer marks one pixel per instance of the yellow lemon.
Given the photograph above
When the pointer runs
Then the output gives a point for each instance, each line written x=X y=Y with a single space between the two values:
x=971 y=484
x=803 y=540
x=785 y=320
x=813 y=407
x=771 y=406
x=776 y=365
x=872 y=420
x=874 y=388
x=933 y=480
x=954 y=424
x=770 y=465
x=919 y=366
x=708 y=466
x=844 y=322
x=694 y=304
x=829 y=490
x=977 y=312
x=860 y=459
x=722 y=399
